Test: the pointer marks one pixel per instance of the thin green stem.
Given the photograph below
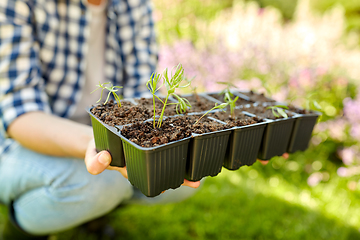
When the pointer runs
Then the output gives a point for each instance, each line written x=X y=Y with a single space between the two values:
x=154 y=110
x=221 y=106
x=162 y=112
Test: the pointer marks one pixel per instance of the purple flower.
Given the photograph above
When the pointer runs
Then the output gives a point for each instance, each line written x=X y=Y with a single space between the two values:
x=314 y=179
x=342 y=172
x=355 y=131
x=352 y=109
x=347 y=155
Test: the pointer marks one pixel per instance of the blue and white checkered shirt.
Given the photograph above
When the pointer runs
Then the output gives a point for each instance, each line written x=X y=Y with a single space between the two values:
x=43 y=50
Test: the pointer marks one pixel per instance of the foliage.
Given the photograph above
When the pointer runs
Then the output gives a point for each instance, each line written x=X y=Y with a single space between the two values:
x=351 y=7
x=182 y=104
x=176 y=22
x=278 y=110
x=152 y=85
x=231 y=103
x=228 y=95
x=183 y=22
x=287 y=8
x=171 y=83
x=112 y=90
x=221 y=106
x=227 y=90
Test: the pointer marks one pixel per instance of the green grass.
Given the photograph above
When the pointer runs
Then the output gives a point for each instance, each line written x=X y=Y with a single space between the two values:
x=257 y=202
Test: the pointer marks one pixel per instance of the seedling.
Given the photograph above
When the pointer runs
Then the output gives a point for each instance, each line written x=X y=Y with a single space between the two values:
x=171 y=84
x=278 y=110
x=112 y=90
x=231 y=103
x=227 y=90
x=152 y=85
x=221 y=106
x=182 y=105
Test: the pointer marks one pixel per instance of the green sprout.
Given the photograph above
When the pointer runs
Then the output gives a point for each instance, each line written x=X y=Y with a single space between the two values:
x=171 y=83
x=221 y=106
x=227 y=89
x=112 y=90
x=152 y=85
x=278 y=110
x=182 y=105
x=231 y=103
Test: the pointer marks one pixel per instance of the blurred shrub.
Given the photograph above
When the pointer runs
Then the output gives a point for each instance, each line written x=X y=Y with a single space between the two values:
x=286 y=7
x=352 y=11
x=179 y=18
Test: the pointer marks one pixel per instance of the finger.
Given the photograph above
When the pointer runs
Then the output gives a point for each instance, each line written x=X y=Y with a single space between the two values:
x=191 y=184
x=122 y=170
x=96 y=162
x=285 y=155
x=263 y=162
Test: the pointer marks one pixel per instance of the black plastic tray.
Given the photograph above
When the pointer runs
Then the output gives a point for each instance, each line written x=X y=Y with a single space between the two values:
x=107 y=138
x=156 y=169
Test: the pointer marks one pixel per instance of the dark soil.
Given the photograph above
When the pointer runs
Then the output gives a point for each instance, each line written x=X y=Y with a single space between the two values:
x=239 y=102
x=172 y=129
x=239 y=119
x=199 y=103
x=111 y=114
x=257 y=97
x=263 y=112
x=205 y=125
x=144 y=134
x=147 y=103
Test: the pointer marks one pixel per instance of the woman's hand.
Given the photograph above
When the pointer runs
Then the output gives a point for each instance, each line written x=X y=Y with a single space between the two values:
x=96 y=162
x=265 y=162
x=191 y=184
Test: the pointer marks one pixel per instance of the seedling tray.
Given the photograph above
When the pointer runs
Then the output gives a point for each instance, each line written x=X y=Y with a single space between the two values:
x=253 y=97
x=206 y=154
x=302 y=131
x=243 y=100
x=156 y=169
x=107 y=138
x=276 y=138
x=244 y=145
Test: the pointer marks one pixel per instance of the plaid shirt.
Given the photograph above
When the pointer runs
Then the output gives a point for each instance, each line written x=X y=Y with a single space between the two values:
x=43 y=50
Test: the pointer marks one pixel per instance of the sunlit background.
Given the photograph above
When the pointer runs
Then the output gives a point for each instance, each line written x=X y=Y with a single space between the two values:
x=293 y=51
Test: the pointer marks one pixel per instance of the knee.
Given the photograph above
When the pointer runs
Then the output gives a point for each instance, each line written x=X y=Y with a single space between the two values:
x=105 y=191
x=60 y=207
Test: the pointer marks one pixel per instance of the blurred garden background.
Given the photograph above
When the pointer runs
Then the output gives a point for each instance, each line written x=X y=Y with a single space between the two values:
x=293 y=51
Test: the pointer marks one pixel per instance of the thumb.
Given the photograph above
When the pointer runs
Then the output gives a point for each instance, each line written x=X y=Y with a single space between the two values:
x=98 y=163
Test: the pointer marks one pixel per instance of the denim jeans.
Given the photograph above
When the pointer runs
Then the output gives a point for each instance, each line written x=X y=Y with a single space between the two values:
x=52 y=194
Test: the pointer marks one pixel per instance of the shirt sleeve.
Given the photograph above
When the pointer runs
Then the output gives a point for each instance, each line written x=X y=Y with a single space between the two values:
x=139 y=49
x=22 y=89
